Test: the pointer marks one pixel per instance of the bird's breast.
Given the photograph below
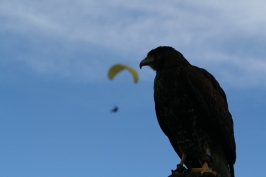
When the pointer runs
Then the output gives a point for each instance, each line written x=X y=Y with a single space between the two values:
x=173 y=94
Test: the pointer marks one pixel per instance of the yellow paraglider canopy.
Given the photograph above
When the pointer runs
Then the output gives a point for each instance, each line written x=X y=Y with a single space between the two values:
x=115 y=69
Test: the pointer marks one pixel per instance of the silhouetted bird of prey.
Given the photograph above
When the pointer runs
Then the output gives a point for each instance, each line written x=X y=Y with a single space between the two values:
x=192 y=111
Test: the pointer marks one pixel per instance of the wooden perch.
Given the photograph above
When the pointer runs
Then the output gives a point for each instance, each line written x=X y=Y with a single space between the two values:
x=193 y=175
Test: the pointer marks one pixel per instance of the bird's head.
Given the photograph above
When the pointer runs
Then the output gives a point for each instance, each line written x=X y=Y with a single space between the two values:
x=163 y=57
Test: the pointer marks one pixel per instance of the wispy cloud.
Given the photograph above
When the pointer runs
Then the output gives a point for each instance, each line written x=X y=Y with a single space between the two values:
x=228 y=35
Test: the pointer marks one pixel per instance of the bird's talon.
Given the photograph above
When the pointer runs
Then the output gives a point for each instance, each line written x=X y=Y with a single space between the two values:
x=205 y=169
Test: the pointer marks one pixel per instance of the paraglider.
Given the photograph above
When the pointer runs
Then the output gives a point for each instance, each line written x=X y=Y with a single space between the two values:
x=115 y=69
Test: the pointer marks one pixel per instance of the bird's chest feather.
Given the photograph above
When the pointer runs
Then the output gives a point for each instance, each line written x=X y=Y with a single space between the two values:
x=174 y=96
x=172 y=89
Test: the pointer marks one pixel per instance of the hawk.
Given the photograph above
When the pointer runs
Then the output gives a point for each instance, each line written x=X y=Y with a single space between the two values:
x=192 y=111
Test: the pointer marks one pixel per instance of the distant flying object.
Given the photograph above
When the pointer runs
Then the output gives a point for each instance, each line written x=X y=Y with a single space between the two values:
x=115 y=109
x=192 y=111
x=115 y=69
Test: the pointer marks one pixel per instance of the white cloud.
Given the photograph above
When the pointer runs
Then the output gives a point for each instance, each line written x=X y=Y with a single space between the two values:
x=203 y=30
x=20 y=18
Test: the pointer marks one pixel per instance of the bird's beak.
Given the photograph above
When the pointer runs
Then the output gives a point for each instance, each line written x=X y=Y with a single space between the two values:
x=146 y=61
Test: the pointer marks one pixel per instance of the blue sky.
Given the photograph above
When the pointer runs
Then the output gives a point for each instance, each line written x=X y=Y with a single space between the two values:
x=56 y=98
